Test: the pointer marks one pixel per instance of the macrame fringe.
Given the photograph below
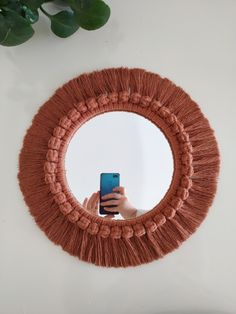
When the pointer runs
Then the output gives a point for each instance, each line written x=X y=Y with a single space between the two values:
x=134 y=250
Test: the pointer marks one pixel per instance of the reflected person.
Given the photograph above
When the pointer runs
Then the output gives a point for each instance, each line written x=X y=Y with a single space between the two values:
x=117 y=199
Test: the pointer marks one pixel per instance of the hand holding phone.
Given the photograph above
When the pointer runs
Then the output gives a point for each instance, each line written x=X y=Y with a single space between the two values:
x=108 y=181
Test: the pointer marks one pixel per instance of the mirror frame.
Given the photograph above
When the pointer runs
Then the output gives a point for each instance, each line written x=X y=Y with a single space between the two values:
x=119 y=243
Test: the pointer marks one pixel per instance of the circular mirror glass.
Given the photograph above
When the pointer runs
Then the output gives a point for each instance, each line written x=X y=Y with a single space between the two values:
x=122 y=151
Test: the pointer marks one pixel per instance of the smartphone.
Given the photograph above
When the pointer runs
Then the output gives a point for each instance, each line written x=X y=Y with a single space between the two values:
x=108 y=181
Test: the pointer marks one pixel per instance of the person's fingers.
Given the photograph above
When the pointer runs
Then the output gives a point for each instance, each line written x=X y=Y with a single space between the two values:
x=91 y=200
x=85 y=202
x=111 y=202
x=110 y=216
x=111 y=209
x=119 y=189
x=111 y=195
x=94 y=202
x=97 y=198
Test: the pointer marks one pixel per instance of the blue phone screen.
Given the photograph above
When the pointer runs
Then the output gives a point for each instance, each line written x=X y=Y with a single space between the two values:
x=108 y=181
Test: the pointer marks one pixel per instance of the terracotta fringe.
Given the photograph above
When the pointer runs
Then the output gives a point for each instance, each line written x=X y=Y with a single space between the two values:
x=148 y=237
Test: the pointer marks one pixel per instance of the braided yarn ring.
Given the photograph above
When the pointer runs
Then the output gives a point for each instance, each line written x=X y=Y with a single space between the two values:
x=119 y=242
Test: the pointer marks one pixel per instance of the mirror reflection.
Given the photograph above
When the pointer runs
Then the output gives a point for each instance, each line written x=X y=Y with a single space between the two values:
x=119 y=165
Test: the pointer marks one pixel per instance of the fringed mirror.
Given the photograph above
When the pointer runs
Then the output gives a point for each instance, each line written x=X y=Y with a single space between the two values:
x=133 y=132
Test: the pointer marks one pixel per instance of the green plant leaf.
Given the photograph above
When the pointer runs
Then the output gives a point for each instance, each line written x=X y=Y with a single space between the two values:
x=32 y=4
x=64 y=24
x=31 y=15
x=14 y=29
x=91 y=14
x=3 y=2
x=3 y=28
x=14 y=6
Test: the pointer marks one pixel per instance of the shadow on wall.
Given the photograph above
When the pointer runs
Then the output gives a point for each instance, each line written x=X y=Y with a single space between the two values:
x=194 y=312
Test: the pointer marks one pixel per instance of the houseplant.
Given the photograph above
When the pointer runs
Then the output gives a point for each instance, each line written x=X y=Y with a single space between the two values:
x=18 y=16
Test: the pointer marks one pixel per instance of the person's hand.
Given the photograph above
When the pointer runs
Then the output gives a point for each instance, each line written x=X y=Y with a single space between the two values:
x=91 y=205
x=122 y=205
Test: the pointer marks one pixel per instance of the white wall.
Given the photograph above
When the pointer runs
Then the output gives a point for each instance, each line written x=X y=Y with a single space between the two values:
x=190 y=42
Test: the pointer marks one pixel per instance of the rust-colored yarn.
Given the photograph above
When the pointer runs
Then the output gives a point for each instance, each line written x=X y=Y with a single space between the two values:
x=119 y=243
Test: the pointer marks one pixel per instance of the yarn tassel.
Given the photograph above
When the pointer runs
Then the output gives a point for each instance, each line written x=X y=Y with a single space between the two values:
x=154 y=236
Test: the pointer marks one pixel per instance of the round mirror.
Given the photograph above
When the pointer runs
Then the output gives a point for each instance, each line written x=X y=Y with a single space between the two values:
x=115 y=174
x=124 y=150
